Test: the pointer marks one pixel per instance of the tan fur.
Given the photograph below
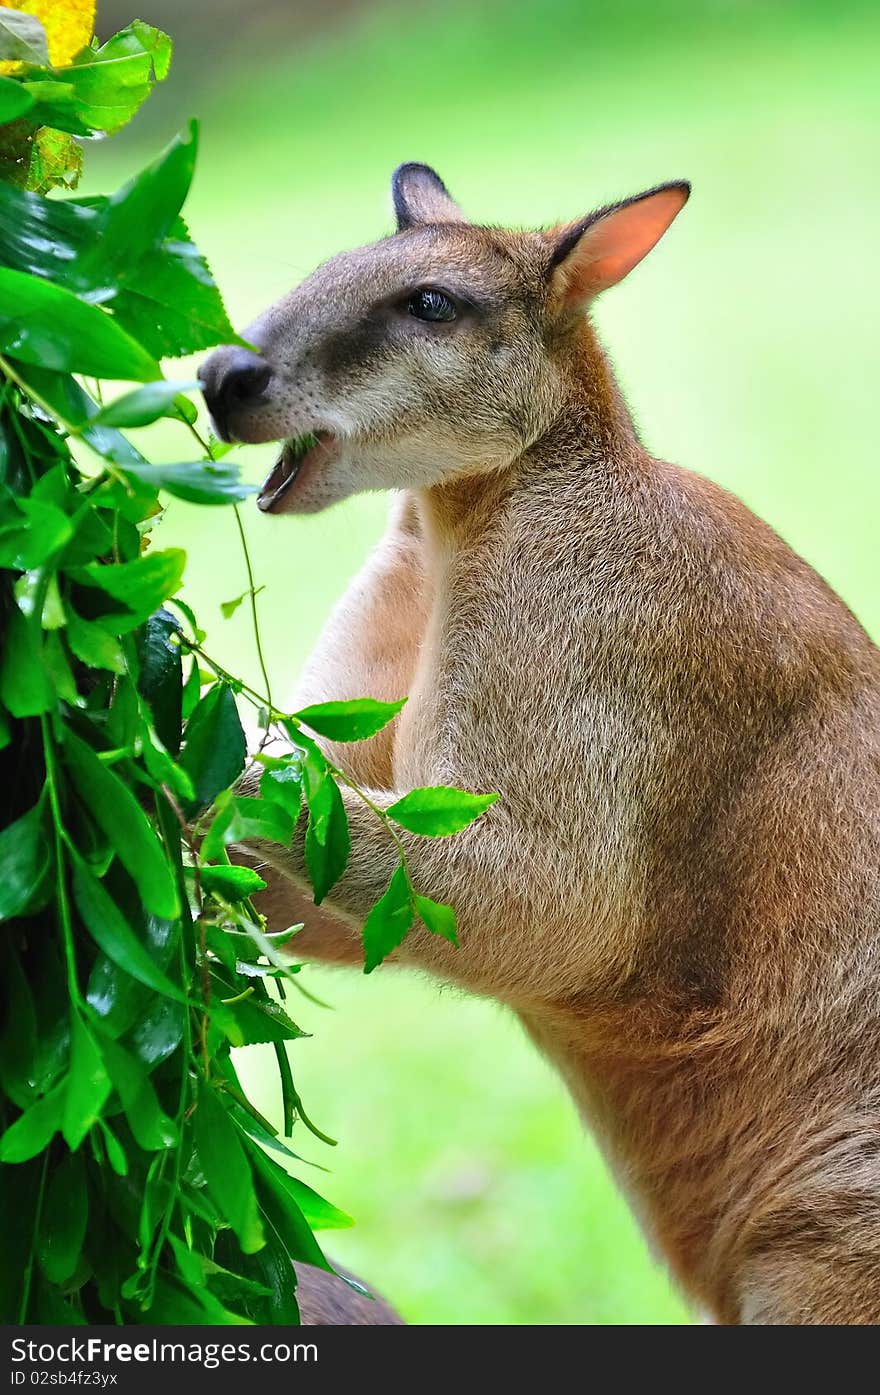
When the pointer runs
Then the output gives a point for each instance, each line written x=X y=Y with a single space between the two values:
x=677 y=890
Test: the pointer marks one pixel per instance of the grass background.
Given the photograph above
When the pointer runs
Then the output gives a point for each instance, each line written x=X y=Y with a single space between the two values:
x=748 y=346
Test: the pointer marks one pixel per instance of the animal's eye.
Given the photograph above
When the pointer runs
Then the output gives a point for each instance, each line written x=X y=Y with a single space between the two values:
x=430 y=304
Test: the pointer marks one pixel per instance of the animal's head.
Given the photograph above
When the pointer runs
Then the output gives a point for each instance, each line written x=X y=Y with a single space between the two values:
x=431 y=354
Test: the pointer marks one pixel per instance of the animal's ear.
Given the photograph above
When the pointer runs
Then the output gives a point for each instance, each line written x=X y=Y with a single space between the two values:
x=598 y=251
x=420 y=197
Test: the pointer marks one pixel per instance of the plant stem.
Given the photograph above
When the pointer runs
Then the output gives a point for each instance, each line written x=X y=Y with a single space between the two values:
x=29 y=1267
x=385 y=822
x=60 y=838
x=241 y=1099
x=180 y=1121
x=252 y=590
x=252 y=594
x=28 y=391
x=289 y=1089
x=251 y=693
x=288 y=1093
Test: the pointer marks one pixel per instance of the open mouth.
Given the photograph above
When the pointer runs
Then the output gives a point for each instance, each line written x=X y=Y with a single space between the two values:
x=289 y=466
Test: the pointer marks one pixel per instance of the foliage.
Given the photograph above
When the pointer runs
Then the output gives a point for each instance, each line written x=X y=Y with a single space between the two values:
x=135 y=1181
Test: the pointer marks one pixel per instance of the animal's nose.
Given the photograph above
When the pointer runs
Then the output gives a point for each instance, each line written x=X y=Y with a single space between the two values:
x=232 y=379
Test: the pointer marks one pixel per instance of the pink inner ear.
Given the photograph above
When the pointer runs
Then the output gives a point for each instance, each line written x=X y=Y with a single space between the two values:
x=610 y=249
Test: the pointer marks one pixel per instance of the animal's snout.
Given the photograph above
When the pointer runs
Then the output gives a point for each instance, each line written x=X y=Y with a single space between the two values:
x=233 y=380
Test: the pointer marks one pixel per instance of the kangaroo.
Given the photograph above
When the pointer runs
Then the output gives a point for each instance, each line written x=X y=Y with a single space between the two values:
x=677 y=890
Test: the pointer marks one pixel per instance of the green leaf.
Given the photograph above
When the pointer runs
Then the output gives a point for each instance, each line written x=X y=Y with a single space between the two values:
x=232 y=883
x=438 y=810
x=28 y=591
x=227 y=1170
x=195 y=481
x=268 y=1293
x=248 y=818
x=111 y=932
x=151 y=1126
x=388 y=921
x=232 y=1287
x=197 y=634
x=54 y=158
x=174 y=1305
x=42 y=531
x=20 y=1190
x=249 y=1125
x=173 y=306
x=320 y=1214
x=51 y=1000
x=185 y=409
x=161 y=676
x=52 y=615
x=22 y=38
x=327 y=850
x=166 y=298
x=283 y=785
x=14 y=100
x=274 y=1266
x=120 y=817
x=144 y=405
x=158 y=1032
x=439 y=918
x=228 y=608
x=255 y=1020
x=64 y=1219
x=115 y=1152
x=93 y=645
x=102 y=88
x=140 y=215
x=18 y=1035
x=163 y=769
x=55 y=487
x=46 y=236
x=25 y=862
x=222 y=946
x=88 y=1085
x=62 y=396
x=92 y=538
x=127 y=501
x=215 y=749
x=320 y=790
x=156 y=44
x=47 y=325
x=190 y=1264
x=58 y=668
x=280 y=1203
x=191 y=691
x=115 y=996
x=25 y=689
x=35 y=1128
x=141 y=585
x=354 y=720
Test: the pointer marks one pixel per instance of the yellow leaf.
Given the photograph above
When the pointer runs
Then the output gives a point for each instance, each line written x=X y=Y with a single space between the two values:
x=69 y=24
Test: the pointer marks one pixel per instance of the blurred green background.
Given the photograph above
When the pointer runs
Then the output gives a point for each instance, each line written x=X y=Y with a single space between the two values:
x=748 y=346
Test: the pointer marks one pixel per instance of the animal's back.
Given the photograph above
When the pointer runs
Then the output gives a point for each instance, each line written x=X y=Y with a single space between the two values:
x=733 y=1074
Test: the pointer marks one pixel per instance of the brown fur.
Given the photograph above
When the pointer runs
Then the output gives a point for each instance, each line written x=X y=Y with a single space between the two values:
x=327 y=1301
x=677 y=890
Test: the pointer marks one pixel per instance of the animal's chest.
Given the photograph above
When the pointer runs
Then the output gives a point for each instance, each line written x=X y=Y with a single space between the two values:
x=526 y=684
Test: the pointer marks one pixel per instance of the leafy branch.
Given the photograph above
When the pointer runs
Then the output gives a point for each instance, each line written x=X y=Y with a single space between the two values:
x=137 y=1181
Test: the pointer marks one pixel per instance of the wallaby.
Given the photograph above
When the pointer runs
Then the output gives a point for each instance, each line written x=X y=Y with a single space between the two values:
x=677 y=890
